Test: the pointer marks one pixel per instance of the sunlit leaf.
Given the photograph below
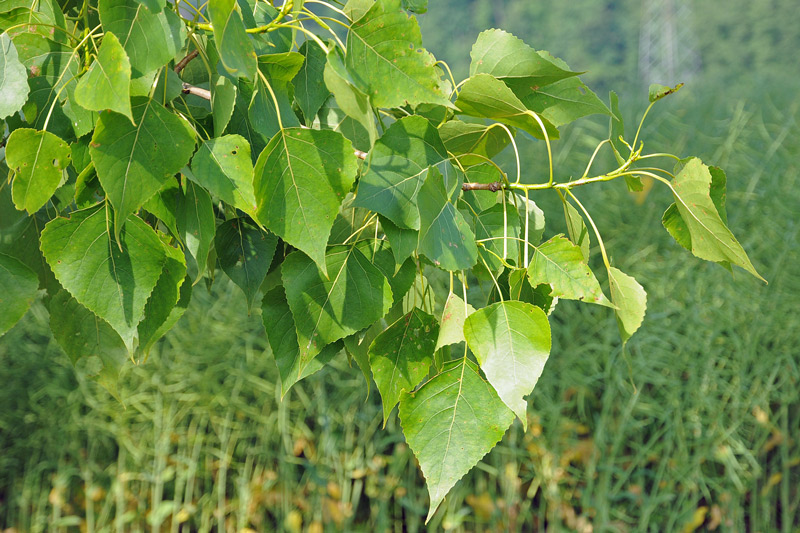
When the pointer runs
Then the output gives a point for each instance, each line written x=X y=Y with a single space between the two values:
x=630 y=299
x=121 y=280
x=349 y=98
x=301 y=178
x=107 y=83
x=451 y=330
x=511 y=341
x=387 y=61
x=224 y=167
x=450 y=423
x=474 y=143
x=236 y=48
x=309 y=84
x=37 y=159
x=14 y=81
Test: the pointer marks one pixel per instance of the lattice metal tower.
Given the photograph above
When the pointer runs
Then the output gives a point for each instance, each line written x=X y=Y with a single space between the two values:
x=667 y=49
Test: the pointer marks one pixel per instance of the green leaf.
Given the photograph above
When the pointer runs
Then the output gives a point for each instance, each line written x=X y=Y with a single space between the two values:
x=561 y=264
x=350 y=99
x=195 y=219
x=18 y=288
x=279 y=324
x=387 y=61
x=576 y=228
x=301 y=178
x=657 y=92
x=444 y=236
x=164 y=205
x=263 y=113
x=501 y=224
x=631 y=302
x=168 y=301
x=508 y=58
x=37 y=159
x=710 y=238
x=53 y=62
x=236 y=49
x=455 y=312
x=485 y=96
x=473 y=143
x=328 y=308
x=111 y=282
x=282 y=66
x=675 y=225
x=401 y=356
x=416 y=6
x=564 y=102
x=309 y=84
x=403 y=241
x=245 y=254
x=224 y=167
x=92 y=345
x=331 y=117
x=36 y=110
x=133 y=162
x=450 y=423
x=357 y=346
x=355 y=9
x=14 y=82
x=535 y=221
x=400 y=275
x=511 y=341
x=107 y=83
x=149 y=39
x=223 y=99
x=398 y=166
x=482 y=173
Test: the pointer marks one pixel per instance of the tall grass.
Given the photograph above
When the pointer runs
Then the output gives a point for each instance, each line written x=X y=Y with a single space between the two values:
x=694 y=426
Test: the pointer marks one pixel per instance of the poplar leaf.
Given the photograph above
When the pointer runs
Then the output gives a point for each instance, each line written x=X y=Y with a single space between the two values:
x=301 y=179
x=111 y=282
x=450 y=423
x=309 y=83
x=245 y=253
x=224 y=167
x=37 y=159
x=134 y=161
x=561 y=264
x=14 y=80
x=236 y=49
x=328 y=308
x=398 y=166
x=195 y=221
x=454 y=314
x=401 y=356
x=474 y=143
x=511 y=341
x=107 y=83
x=630 y=299
x=18 y=288
x=387 y=61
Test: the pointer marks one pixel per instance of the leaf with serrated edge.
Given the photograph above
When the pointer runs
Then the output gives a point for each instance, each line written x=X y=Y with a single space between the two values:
x=630 y=299
x=444 y=236
x=401 y=356
x=18 y=288
x=455 y=312
x=561 y=264
x=710 y=237
x=195 y=220
x=309 y=84
x=511 y=341
x=223 y=99
x=107 y=83
x=37 y=159
x=14 y=81
x=111 y=282
x=508 y=58
x=403 y=241
x=93 y=347
x=450 y=423
x=398 y=165
x=150 y=39
x=301 y=178
x=354 y=295
x=167 y=302
x=245 y=253
x=133 y=162
x=387 y=61
x=279 y=324
x=485 y=96
x=224 y=167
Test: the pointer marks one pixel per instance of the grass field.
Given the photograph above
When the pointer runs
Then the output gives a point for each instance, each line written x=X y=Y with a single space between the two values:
x=695 y=426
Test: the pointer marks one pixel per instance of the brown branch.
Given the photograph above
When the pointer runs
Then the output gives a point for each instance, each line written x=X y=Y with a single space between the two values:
x=493 y=187
x=197 y=91
x=180 y=65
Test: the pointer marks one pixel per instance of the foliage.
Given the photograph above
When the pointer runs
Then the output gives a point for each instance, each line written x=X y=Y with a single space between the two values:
x=345 y=181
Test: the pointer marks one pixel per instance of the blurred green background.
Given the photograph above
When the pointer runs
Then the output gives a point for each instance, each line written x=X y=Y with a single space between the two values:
x=694 y=427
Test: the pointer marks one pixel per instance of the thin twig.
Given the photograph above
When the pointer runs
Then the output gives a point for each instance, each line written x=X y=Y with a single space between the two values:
x=197 y=91
x=180 y=65
x=494 y=186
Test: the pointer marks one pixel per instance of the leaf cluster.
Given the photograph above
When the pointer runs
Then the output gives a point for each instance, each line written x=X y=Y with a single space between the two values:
x=328 y=165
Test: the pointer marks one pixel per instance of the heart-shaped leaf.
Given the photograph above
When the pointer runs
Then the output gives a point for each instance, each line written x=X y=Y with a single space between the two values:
x=38 y=159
